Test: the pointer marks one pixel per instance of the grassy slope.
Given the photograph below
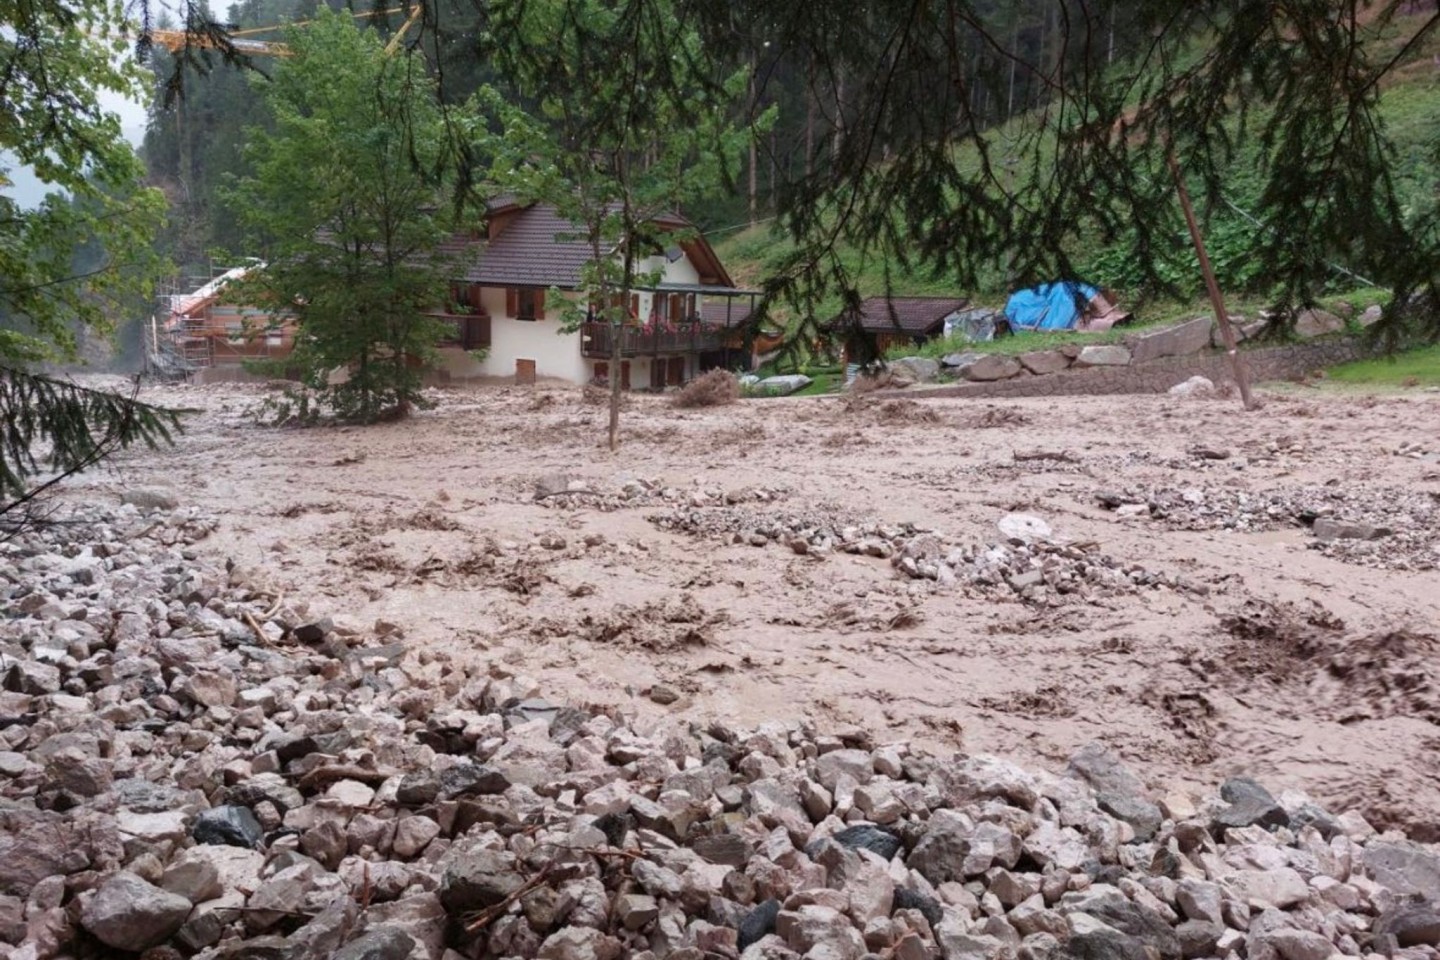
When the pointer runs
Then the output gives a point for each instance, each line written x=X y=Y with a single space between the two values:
x=1419 y=367
x=1410 y=107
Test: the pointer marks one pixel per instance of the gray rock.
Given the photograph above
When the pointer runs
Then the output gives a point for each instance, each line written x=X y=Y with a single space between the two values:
x=1404 y=867
x=783 y=385
x=1198 y=938
x=1140 y=813
x=579 y=943
x=129 y=914
x=1196 y=386
x=1326 y=529
x=992 y=366
x=758 y=923
x=1317 y=323
x=228 y=825
x=959 y=359
x=1250 y=805
x=470 y=779
x=386 y=943
x=1189 y=337
x=1412 y=923
x=1106 y=944
x=924 y=369
x=634 y=910
x=1102 y=768
x=195 y=880
x=1103 y=355
x=148 y=499
x=479 y=879
x=1043 y=362
x=1371 y=315
x=882 y=843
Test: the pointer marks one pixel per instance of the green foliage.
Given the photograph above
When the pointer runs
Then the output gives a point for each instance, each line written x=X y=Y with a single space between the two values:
x=81 y=427
x=617 y=123
x=1411 y=368
x=54 y=68
x=919 y=172
x=345 y=204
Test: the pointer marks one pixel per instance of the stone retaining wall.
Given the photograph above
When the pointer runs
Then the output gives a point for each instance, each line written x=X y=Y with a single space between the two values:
x=1280 y=362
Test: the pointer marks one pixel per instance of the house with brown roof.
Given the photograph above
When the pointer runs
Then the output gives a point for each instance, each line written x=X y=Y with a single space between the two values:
x=689 y=322
x=898 y=321
x=500 y=323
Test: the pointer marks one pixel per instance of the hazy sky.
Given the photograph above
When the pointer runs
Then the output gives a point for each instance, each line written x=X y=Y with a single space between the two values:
x=27 y=188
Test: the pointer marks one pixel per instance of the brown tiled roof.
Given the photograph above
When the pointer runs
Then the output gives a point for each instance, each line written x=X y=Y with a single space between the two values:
x=460 y=254
x=537 y=249
x=912 y=315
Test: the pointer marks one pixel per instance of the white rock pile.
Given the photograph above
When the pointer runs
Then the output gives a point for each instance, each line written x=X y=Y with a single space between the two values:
x=189 y=768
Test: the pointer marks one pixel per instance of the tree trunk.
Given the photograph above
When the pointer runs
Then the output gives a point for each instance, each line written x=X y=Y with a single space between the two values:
x=754 y=108
x=810 y=121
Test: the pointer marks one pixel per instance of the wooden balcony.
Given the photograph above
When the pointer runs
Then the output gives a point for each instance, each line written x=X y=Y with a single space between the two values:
x=468 y=331
x=689 y=336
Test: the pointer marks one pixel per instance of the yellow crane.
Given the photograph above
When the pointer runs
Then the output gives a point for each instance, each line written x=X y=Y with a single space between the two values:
x=177 y=40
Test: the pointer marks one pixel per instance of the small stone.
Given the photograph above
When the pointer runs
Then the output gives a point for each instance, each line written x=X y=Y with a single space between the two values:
x=1250 y=805
x=663 y=695
x=385 y=943
x=634 y=910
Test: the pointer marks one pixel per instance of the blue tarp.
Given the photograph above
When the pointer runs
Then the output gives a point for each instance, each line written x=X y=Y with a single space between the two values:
x=1050 y=306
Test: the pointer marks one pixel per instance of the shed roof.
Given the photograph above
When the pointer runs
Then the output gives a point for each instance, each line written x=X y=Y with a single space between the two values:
x=912 y=315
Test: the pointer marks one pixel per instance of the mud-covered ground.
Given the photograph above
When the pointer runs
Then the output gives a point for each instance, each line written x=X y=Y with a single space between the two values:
x=1241 y=644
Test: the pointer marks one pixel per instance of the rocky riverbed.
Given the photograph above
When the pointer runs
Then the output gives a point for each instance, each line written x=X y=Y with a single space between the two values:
x=194 y=764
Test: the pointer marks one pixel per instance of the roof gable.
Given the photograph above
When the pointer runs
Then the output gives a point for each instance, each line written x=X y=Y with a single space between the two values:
x=536 y=247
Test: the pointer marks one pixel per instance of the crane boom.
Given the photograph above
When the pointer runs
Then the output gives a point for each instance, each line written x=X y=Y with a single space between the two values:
x=177 y=40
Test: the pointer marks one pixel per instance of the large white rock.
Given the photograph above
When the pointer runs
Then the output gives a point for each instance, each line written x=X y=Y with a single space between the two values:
x=783 y=385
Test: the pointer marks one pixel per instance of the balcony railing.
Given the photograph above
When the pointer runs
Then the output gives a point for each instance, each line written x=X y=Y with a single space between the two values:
x=686 y=336
x=467 y=331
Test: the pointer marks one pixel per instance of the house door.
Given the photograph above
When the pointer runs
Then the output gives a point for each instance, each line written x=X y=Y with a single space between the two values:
x=624 y=374
x=676 y=374
x=524 y=371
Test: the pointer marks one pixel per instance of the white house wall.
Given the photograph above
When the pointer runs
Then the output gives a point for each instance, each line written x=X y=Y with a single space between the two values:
x=557 y=355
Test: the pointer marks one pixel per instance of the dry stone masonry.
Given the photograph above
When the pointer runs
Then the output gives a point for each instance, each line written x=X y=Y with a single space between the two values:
x=193 y=766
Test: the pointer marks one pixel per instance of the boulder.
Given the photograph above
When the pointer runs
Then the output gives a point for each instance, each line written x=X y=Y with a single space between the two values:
x=990 y=367
x=1103 y=355
x=1317 y=323
x=1196 y=386
x=1189 y=337
x=959 y=359
x=1329 y=529
x=1250 y=805
x=1042 y=362
x=128 y=913
x=150 y=499
x=924 y=369
x=1404 y=867
x=1372 y=315
x=783 y=385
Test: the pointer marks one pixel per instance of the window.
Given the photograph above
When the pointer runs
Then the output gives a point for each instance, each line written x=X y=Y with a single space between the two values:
x=525 y=303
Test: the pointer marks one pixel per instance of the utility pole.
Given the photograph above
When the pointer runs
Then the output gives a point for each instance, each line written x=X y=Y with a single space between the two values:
x=1217 y=300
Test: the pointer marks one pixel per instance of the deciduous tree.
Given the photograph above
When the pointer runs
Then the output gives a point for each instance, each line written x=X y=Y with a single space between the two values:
x=348 y=205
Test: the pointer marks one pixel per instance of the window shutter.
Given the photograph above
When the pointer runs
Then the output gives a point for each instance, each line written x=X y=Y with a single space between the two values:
x=512 y=302
x=539 y=304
